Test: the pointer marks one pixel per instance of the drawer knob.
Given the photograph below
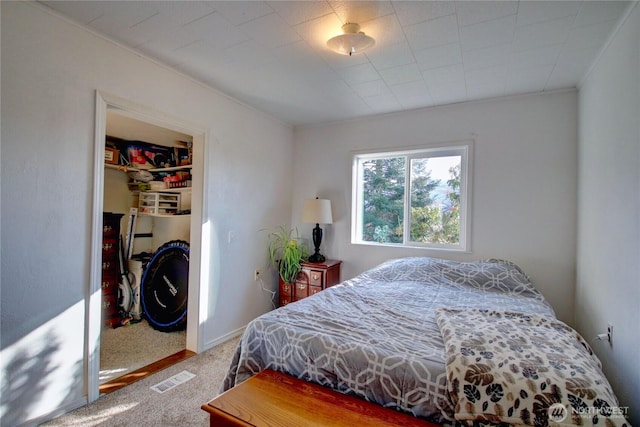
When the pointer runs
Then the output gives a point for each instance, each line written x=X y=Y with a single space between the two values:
x=301 y=286
x=315 y=276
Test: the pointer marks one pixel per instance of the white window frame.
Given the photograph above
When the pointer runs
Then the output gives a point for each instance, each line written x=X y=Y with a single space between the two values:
x=464 y=149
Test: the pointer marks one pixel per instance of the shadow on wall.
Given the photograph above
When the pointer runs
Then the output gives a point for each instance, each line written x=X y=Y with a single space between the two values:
x=26 y=378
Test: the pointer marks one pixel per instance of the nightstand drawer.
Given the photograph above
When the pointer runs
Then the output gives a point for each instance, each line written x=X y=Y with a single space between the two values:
x=315 y=277
x=284 y=301
x=314 y=290
x=301 y=290
x=285 y=289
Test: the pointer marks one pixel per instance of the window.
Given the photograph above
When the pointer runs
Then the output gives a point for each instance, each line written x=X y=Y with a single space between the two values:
x=412 y=198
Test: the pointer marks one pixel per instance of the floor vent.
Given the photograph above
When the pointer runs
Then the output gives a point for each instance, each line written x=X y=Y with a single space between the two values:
x=173 y=381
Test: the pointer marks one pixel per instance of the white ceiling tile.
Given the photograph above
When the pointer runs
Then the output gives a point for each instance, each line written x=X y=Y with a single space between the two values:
x=412 y=94
x=439 y=56
x=358 y=74
x=347 y=103
x=448 y=92
x=402 y=74
x=537 y=57
x=155 y=26
x=270 y=31
x=199 y=50
x=336 y=89
x=217 y=30
x=487 y=77
x=528 y=80
x=564 y=77
x=433 y=33
x=542 y=34
x=413 y=12
x=533 y=12
x=239 y=12
x=373 y=88
x=487 y=57
x=386 y=31
x=317 y=31
x=436 y=76
x=382 y=104
x=594 y=12
x=296 y=12
x=169 y=40
x=588 y=36
x=132 y=37
x=577 y=56
x=570 y=68
x=249 y=54
x=393 y=56
x=484 y=92
x=206 y=63
x=360 y=11
x=475 y=12
x=298 y=58
x=118 y=15
x=182 y=13
x=489 y=33
x=83 y=12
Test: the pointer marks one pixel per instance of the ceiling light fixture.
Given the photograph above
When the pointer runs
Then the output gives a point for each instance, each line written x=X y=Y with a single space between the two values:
x=352 y=41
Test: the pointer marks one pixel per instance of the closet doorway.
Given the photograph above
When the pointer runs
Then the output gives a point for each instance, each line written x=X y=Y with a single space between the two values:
x=126 y=347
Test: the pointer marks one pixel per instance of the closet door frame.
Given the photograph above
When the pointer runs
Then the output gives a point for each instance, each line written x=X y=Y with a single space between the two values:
x=200 y=245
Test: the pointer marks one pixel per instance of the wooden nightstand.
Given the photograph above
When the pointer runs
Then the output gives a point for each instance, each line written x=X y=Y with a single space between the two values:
x=312 y=278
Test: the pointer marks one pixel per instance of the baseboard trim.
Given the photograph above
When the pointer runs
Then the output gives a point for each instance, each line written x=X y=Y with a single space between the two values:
x=78 y=403
x=224 y=338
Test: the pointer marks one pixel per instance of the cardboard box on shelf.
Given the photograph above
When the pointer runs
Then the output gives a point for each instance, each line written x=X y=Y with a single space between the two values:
x=111 y=155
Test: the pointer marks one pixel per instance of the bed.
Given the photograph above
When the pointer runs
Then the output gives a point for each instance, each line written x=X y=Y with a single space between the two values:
x=393 y=336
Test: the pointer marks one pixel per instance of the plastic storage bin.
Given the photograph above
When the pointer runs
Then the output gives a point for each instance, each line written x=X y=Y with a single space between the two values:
x=159 y=203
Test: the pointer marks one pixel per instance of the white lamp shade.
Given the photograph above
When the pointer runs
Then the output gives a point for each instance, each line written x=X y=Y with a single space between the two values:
x=317 y=211
x=352 y=41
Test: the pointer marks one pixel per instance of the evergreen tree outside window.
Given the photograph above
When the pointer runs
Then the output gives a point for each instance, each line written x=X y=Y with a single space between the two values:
x=413 y=198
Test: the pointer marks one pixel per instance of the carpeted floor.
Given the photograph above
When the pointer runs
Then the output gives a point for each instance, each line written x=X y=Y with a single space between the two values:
x=133 y=346
x=138 y=405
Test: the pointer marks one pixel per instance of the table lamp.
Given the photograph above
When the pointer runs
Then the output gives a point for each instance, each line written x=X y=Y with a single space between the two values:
x=317 y=211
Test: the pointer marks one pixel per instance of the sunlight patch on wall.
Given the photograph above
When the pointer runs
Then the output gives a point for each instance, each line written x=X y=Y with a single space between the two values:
x=43 y=371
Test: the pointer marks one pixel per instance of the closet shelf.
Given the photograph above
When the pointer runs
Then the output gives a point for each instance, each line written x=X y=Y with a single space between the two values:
x=130 y=169
x=164 y=216
x=164 y=190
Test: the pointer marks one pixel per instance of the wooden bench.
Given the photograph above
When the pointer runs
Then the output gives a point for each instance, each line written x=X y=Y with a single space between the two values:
x=272 y=399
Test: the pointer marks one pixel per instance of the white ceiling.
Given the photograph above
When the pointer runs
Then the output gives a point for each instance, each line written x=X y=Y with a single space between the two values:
x=273 y=55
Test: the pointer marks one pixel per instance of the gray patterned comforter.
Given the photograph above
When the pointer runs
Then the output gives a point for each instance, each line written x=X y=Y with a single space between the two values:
x=375 y=336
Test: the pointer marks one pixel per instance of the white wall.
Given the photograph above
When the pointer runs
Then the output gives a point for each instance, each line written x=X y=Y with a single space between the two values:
x=51 y=70
x=524 y=182
x=608 y=279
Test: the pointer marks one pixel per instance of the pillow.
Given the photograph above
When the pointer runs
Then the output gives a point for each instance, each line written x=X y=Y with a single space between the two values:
x=515 y=368
x=492 y=275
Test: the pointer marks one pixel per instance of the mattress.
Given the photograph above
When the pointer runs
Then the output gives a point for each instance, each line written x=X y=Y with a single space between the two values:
x=376 y=337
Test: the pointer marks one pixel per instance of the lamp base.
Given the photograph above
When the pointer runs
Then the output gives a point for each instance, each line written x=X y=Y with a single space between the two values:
x=315 y=258
x=317 y=239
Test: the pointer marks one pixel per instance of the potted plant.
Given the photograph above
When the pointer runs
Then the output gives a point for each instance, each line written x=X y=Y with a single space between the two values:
x=286 y=253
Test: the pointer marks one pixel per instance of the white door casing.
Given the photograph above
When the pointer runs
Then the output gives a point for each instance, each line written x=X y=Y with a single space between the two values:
x=197 y=295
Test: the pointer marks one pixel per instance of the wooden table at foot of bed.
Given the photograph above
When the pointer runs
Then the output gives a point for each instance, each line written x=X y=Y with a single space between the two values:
x=272 y=399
